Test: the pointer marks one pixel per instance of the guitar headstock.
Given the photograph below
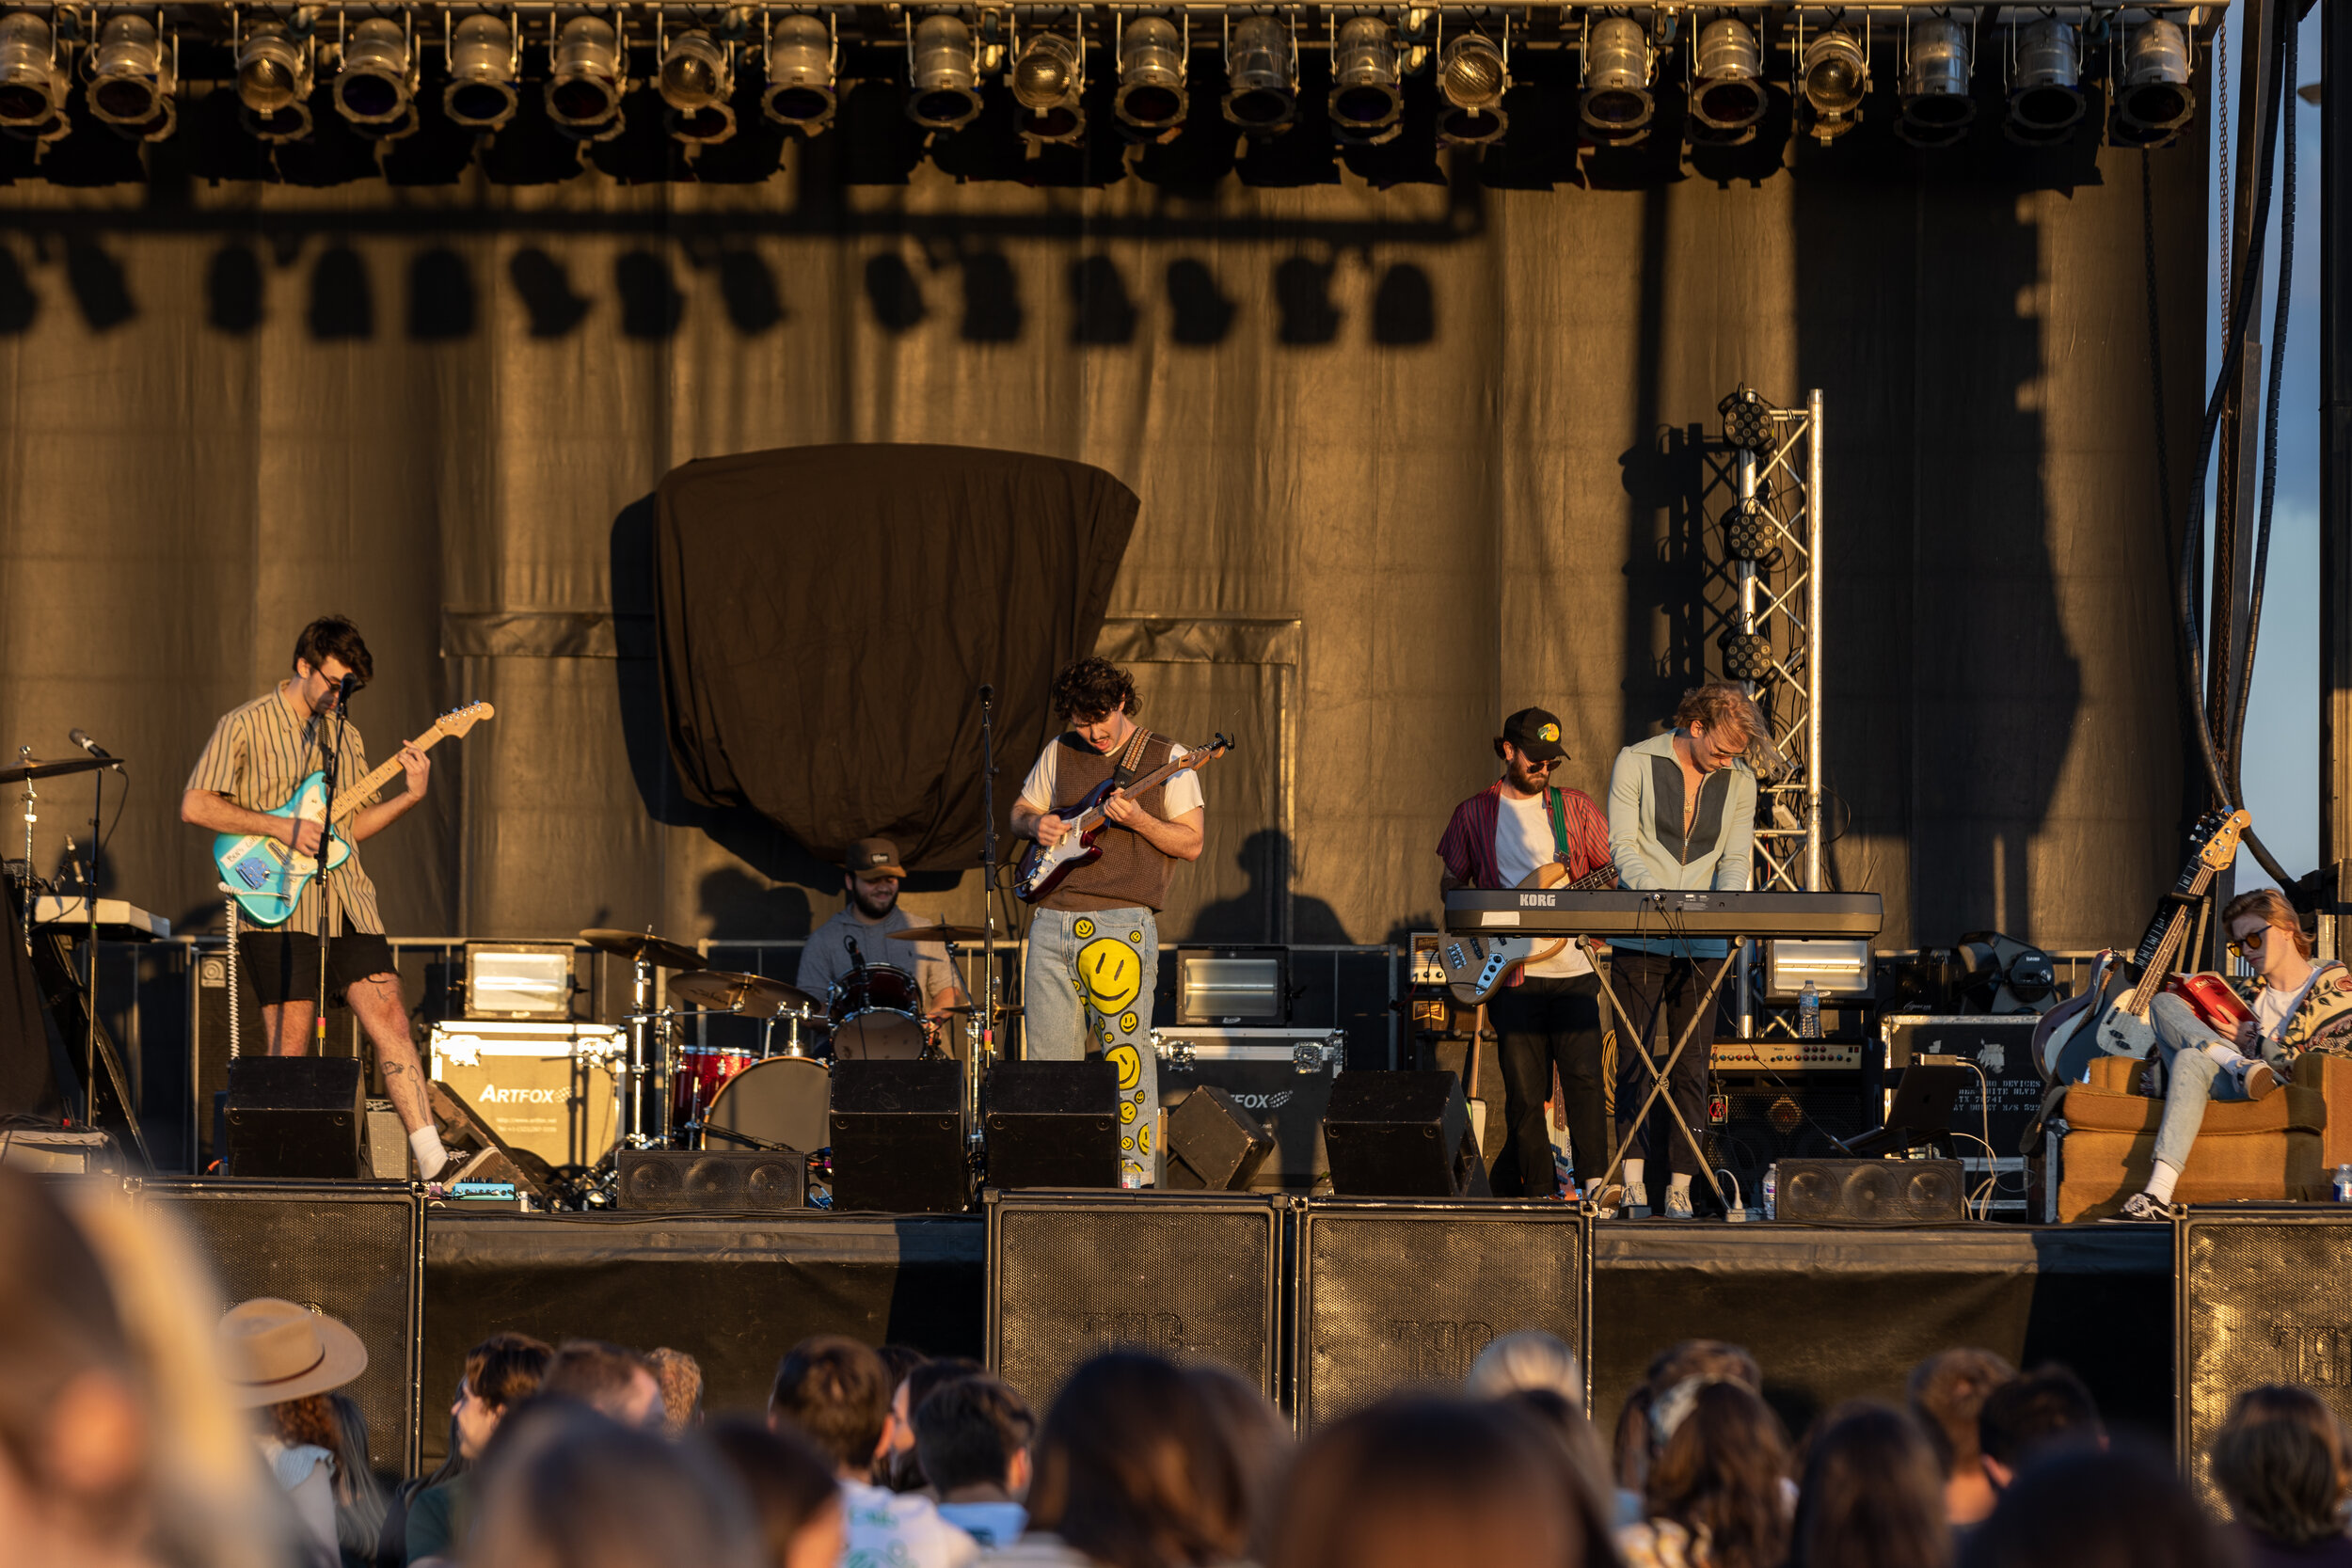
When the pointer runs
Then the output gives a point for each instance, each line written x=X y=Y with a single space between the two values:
x=2215 y=837
x=457 y=720
x=1218 y=747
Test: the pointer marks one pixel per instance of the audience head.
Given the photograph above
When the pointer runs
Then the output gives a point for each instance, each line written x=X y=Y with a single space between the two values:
x=2097 y=1508
x=903 y=1465
x=2280 y=1460
x=501 y=1372
x=836 y=1393
x=1133 y=1468
x=972 y=1433
x=2048 y=1408
x=1528 y=1359
x=1425 y=1482
x=606 y=1379
x=567 y=1487
x=1722 y=1457
x=794 y=1497
x=1586 y=1457
x=1873 y=1493
x=1947 y=1391
x=680 y=1378
x=1636 y=1443
x=1258 y=1437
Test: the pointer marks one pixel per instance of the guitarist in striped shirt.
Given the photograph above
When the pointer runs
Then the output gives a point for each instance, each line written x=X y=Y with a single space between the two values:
x=1548 y=1015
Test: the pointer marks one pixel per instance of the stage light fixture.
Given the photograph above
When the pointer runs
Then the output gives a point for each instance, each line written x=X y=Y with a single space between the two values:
x=129 y=72
x=1729 y=92
x=697 y=78
x=1366 y=93
x=378 y=76
x=1748 y=532
x=1472 y=76
x=273 y=83
x=1047 y=77
x=1616 y=101
x=945 y=74
x=800 y=89
x=1937 y=109
x=1151 y=94
x=481 y=91
x=583 y=92
x=2157 y=98
x=1261 y=75
x=32 y=81
x=2046 y=97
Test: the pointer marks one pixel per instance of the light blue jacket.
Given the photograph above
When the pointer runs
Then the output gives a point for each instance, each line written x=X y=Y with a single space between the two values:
x=1645 y=832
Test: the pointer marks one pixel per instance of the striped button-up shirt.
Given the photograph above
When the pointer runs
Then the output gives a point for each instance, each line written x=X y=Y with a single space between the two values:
x=1468 y=848
x=257 y=757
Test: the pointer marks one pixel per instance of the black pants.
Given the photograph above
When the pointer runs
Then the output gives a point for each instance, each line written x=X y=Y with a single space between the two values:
x=1646 y=984
x=1539 y=1024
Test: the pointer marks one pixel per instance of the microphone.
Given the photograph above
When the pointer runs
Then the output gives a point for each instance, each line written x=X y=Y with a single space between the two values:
x=81 y=738
x=987 y=692
x=857 y=959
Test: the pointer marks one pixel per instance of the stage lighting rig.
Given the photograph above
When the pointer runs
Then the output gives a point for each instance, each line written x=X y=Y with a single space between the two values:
x=32 y=79
x=1152 y=65
x=375 y=88
x=1473 y=75
x=2156 y=99
x=583 y=92
x=798 y=52
x=1260 y=74
x=273 y=81
x=696 y=80
x=132 y=76
x=1048 y=76
x=1728 y=94
x=945 y=63
x=1834 y=75
x=1367 y=95
x=482 y=61
x=1616 y=102
x=2045 y=94
x=1937 y=109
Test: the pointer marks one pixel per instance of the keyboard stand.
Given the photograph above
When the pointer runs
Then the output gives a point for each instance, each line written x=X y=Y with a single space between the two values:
x=1658 y=1073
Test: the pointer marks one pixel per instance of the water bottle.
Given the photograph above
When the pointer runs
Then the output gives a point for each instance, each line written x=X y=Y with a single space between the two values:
x=2344 y=1183
x=1771 y=1191
x=1809 y=1013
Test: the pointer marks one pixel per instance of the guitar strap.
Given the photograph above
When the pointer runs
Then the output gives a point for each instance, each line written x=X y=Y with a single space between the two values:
x=1130 y=767
x=1557 y=810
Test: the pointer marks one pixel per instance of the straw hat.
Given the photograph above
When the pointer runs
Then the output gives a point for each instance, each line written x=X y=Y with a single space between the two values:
x=273 y=1351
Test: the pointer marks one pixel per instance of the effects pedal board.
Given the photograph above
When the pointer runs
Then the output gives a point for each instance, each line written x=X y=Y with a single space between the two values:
x=1787 y=1056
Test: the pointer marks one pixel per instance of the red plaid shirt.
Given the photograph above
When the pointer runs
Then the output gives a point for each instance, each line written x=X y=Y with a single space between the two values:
x=1468 y=848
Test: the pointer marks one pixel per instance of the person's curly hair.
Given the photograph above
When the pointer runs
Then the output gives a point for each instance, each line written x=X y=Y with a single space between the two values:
x=1092 y=688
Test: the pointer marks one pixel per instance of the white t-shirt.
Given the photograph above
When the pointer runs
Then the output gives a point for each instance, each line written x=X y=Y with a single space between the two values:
x=2275 y=1004
x=1180 y=794
x=1523 y=840
x=899 y=1530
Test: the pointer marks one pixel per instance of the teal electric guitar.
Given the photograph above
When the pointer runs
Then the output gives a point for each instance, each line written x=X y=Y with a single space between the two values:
x=267 y=879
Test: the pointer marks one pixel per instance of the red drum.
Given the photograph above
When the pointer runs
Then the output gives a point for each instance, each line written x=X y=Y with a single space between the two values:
x=877 y=1015
x=783 y=1100
x=701 y=1073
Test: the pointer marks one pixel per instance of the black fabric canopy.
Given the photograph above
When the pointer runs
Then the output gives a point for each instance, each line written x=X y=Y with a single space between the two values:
x=826 y=616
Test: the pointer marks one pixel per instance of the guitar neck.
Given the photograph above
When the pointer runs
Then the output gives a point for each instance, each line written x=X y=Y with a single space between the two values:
x=347 y=802
x=2151 y=976
x=1167 y=770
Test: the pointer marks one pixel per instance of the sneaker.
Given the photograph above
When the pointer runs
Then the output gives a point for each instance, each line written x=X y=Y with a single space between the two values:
x=2258 y=1081
x=1608 y=1200
x=1678 y=1203
x=2141 y=1207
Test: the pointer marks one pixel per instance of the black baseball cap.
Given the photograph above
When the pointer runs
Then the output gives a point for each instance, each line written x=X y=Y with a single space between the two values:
x=1534 y=732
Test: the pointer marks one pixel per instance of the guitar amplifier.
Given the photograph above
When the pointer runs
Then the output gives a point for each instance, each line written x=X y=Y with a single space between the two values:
x=545 y=1087
x=1282 y=1077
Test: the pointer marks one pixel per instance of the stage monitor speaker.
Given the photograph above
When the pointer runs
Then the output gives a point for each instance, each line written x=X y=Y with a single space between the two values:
x=726 y=1180
x=354 y=1250
x=1401 y=1295
x=208 y=1046
x=1192 y=1278
x=2260 y=1295
x=1052 y=1124
x=897 y=1137
x=296 y=1116
x=1872 y=1192
x=1213 y=1144
x=1402 y=1135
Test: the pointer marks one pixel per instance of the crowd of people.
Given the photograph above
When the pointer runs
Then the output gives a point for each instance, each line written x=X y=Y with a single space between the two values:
x=141 y=1426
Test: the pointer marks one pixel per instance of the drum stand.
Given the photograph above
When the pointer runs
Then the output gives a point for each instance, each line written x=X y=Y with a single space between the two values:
x=648 y=1035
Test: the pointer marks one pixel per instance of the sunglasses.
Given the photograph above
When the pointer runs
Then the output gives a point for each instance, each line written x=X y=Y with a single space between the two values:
x=2238 y=945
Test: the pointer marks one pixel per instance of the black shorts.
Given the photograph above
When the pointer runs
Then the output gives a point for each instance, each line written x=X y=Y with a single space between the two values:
x=285 y=964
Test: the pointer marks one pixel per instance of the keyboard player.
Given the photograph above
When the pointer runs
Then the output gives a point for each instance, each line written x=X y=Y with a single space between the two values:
x=1681 y=815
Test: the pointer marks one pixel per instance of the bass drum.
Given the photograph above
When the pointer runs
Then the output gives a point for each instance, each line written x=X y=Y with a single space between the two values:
x=784 y=1100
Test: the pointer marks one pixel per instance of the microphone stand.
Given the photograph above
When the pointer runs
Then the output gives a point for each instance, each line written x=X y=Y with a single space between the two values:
x=988 y=879
x=328 y=768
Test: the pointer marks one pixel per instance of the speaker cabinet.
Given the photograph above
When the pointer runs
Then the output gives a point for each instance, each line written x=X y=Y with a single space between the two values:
x=897 y=1137
x=1402 y=1135
x=1052 y=1124
x=1214 y=1145
x=1191 y=1277
x=1402 y=1295
x=298 y=1117
x=208 y=1046
x=354 y=1250
x=1871 y=1192
x=729 y=1181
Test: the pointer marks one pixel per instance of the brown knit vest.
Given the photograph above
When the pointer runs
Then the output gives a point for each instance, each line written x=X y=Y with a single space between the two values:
x=1131 y=873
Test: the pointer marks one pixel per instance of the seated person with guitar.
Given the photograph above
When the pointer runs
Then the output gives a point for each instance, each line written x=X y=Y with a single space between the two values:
x=2296 y=1006
x=1548 y=1015
x=258 y=756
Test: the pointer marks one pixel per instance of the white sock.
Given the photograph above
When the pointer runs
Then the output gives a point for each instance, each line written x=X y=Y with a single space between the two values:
x=425 y=1143
x=2160 y=1182
x=1633 y=1175
x=2227 y=1056
x=1679 y=1185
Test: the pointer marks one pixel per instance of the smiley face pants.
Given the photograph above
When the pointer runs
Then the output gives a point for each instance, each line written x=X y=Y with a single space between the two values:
x=1087 y=987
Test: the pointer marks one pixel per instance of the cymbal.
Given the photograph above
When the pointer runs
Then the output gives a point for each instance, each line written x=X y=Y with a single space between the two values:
x=51 y=770
x=661 y=952
x=726 y=991
x=1000 y=1011
x=940 y=933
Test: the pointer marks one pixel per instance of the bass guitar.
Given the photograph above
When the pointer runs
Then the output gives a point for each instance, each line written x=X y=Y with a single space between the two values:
x=267 y=877
x=1476 y=967
x=1041 y=870
x=2110 y=1017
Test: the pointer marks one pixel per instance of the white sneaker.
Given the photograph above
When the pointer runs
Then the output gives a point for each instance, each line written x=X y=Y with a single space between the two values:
x=1678 y=1203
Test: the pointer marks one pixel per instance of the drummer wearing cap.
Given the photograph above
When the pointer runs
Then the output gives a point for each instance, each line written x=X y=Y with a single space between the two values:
x=871 y=875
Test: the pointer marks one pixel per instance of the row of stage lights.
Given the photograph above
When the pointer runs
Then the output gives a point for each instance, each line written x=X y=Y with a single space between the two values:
x=129 y=61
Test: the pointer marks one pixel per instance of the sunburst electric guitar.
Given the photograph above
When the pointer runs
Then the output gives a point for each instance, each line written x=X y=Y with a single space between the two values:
x=1476 y=967
x=267 y=879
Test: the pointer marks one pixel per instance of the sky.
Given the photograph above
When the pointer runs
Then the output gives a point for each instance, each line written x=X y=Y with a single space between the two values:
x=2282 y=772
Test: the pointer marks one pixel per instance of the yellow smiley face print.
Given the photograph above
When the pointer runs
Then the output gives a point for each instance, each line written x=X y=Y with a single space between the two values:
x=1083 y=929
x=1111 y=973
x=1128 y=1062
